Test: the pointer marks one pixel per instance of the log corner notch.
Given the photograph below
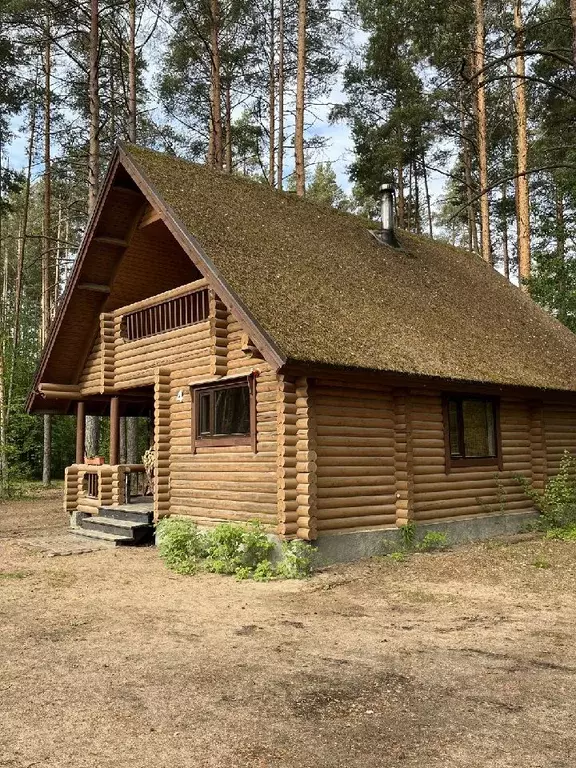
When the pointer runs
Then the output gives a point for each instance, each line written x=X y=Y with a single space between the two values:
x=306 y=455
x=403 y=456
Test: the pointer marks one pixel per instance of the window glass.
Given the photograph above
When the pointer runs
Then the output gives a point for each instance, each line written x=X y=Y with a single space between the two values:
x=232 y=411
x=454 y=432
x=204 y=413
x=472 y=428
x=478 y=419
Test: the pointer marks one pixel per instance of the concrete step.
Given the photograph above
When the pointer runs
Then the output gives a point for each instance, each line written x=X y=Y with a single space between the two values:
x=135 y=531
x=109 y=537
x=138 y=513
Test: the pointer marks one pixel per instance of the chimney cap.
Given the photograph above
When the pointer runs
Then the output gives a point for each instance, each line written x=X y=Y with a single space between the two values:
x=387 y=187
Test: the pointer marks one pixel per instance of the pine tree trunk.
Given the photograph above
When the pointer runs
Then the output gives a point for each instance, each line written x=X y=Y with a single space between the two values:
x=132 y=70
x=505 y=245
x=3 y=329
x=92 y=435
x=93 y=422
x=123 y=422
x=57 y=261
x=21 y=252
x=410 y=199
x=216 y=89
x=272 y=100
x=467 y=161
x=523 y=219
x=417 y=199
x=47 y=246
x=228 y=133
x=573 y=19
x=561 y=280
x=485 y=246
x=401 y=203
x=280 y=155
x=300 y=100
x=428 y=199
x=132 y=441
x=94 y=106
x=210 y=150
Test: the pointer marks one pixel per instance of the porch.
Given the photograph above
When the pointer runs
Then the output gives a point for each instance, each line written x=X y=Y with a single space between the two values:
x=105 y=496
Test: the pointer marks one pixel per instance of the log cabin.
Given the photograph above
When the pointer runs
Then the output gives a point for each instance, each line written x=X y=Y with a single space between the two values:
x=299 y=368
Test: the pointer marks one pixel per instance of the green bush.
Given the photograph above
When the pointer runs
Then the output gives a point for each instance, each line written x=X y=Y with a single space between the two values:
x=242 y=550
x=557 y=503
x=181 y=545
x=562 y=534
x=430 y=542
x=232 y=546
x=223 y=546
x=297 y=559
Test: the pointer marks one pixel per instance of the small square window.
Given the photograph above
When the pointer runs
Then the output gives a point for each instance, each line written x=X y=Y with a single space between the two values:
x=472 y=426
x=225 y=414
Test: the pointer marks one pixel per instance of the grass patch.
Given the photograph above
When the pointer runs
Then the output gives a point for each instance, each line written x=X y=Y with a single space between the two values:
x=432 y=541
x=10 y=575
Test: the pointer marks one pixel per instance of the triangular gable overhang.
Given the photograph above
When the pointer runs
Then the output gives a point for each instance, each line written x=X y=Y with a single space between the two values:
x=121 y=158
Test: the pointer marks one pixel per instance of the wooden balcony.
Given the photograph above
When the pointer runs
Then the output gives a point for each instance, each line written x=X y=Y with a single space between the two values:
x=137 y=338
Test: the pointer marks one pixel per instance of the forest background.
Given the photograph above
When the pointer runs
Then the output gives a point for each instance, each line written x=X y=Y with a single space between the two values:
x=468 y=106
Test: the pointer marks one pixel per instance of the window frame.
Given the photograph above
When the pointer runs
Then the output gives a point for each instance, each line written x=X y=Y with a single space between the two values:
x=454 y=462
x=198 y=441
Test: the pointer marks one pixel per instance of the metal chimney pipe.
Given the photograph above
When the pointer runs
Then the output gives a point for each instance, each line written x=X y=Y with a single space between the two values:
x=387 y=230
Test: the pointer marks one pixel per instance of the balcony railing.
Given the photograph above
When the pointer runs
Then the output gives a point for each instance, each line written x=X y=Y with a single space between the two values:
x=177 y=312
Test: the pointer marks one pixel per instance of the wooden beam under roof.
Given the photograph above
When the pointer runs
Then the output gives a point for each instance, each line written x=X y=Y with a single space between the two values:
x=94 y=287
x=117 y=241
x=149 y=217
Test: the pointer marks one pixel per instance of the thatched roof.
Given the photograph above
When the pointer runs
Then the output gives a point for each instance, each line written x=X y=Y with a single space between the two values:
x=325 y=291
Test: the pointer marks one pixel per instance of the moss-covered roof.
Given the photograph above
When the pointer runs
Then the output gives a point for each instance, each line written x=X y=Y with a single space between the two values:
x=320 y=285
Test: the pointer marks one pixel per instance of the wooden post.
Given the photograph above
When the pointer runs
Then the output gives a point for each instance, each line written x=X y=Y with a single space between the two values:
x=80 y=431
x=114 y=430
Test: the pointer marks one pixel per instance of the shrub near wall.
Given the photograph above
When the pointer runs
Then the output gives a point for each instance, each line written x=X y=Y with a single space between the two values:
x=244 y=551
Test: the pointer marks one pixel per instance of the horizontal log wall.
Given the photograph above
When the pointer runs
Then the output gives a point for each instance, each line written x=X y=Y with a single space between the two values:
x=229 y=482
x=91 y=377
x=468 y=490
x=560 y=433
x=115 y=363
x=355 y=461
x=136 y=361
x=213 y=484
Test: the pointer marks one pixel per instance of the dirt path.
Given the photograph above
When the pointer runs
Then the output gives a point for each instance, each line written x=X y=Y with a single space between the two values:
x=459 y=659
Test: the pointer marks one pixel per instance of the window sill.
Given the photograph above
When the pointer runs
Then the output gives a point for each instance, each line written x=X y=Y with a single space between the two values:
x=490 y=461
x=213 y=442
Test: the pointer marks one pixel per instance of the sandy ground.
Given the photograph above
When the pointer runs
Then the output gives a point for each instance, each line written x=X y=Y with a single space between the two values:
x=465 y=658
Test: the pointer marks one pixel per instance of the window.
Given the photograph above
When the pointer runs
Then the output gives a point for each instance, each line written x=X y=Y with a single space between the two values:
x=225 y=414
x=472 y=428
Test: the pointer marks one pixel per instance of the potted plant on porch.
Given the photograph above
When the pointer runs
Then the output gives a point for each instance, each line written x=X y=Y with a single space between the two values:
x=95 y=461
